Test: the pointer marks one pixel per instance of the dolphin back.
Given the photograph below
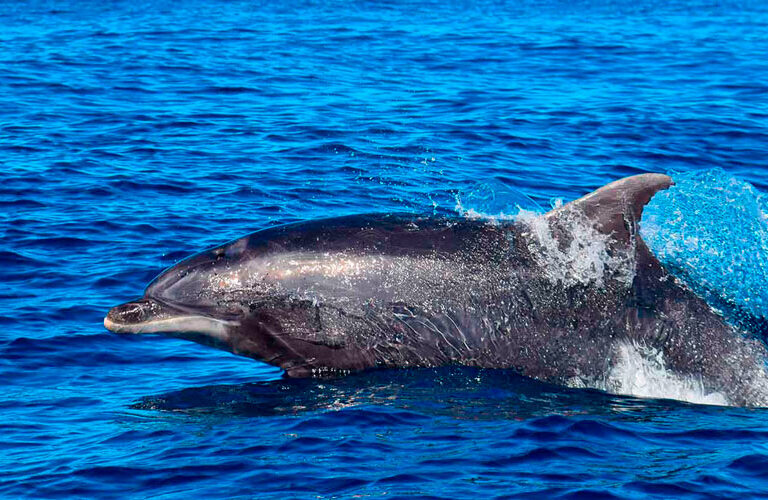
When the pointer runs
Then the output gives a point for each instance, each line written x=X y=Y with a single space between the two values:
x=393 y=291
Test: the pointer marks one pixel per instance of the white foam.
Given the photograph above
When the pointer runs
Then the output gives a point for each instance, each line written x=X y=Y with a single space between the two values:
x=587 y=259
x=641 y=371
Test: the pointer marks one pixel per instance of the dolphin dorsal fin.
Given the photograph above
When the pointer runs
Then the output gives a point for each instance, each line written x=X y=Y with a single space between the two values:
x=617 y=207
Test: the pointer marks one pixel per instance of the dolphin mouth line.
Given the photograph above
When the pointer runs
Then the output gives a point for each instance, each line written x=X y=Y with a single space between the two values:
x=139 y=317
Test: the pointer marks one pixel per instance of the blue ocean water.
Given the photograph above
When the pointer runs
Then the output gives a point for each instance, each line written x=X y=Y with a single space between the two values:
x=133 y=134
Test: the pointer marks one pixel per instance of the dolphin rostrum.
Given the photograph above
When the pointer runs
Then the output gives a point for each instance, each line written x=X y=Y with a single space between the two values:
x=567 y=297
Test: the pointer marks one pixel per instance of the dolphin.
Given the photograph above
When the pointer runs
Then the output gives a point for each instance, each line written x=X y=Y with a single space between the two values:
x=569 y=297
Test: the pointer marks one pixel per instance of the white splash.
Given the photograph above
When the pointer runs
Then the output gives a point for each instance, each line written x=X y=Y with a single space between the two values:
x=588 y=257
x=641 y=371
x=493 y=201
x=471 y=213
x=586 y=260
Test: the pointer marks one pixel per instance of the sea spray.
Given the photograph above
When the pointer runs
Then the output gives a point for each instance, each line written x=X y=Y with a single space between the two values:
x=710 y=229
x=495 y=201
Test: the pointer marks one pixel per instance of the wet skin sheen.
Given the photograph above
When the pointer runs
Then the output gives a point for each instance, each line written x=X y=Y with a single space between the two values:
x=552 y=297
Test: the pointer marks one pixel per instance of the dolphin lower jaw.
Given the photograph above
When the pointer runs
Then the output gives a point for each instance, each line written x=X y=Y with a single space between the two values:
x=183 y=324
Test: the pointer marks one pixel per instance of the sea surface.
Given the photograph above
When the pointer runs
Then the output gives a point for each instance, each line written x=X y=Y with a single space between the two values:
x=133 y=134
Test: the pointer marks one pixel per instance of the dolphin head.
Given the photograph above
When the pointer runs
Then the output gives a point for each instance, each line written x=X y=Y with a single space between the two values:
x=234 y=298
x=197 y=299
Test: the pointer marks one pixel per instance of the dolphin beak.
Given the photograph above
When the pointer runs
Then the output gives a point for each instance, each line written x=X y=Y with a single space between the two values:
x=135 y=316
x=147 y=315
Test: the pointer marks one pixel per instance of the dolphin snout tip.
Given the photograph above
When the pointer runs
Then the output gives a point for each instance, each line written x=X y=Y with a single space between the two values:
x=125 y=318
x=113 y=326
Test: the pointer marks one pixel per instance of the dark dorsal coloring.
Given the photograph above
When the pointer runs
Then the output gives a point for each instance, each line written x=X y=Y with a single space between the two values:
x=560 y=297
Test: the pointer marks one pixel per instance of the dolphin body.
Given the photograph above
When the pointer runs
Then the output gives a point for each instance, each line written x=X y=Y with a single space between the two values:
x=560 y=297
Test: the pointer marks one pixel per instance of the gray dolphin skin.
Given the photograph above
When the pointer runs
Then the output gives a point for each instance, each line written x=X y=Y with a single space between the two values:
x=567 y=297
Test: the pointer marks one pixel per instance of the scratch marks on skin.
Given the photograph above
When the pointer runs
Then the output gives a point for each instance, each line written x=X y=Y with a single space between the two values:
x=434 y=329
x=458 y=331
